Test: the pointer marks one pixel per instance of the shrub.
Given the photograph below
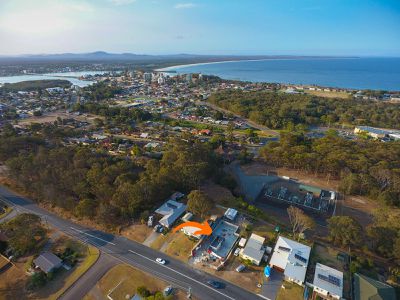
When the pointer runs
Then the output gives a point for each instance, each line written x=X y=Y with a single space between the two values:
x=143 y=291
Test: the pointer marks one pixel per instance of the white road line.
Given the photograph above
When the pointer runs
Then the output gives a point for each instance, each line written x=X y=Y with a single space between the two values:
x=188 y=277
x=93 y=236
x=169 y=279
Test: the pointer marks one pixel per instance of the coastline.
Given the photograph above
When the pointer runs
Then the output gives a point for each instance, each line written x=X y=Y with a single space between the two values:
x=171 y=68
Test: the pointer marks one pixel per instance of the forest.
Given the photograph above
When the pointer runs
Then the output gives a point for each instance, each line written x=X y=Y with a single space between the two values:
x=35 y=85
x=278 y=110
x=364 y=167
x=90 y=183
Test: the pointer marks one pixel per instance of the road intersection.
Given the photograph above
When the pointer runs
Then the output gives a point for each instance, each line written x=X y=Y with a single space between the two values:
x=135 y=254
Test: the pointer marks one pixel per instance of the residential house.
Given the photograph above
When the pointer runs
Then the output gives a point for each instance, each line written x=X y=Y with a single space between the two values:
x=328 y=282
x=365 y=288
x=171 y=211
x=47 y=262
x=254 y=249
x=291 y=258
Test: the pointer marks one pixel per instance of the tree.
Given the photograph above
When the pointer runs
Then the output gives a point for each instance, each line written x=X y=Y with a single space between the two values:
x=199 y=203
x=86 y=208
x=344 y=231
x=143 y=291
x=396 y=248
x=37 y=280
x=218 y=115
x=300 y=221
x=25 y=233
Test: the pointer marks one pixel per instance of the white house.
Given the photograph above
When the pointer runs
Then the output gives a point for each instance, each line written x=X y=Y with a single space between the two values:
x=328 y=282
x=171 y=210
x=291 y=258
x=231 y=214
x=254 y=249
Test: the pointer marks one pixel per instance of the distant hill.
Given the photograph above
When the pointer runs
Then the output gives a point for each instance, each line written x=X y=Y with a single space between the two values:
x=34 y=85
x=131 y=57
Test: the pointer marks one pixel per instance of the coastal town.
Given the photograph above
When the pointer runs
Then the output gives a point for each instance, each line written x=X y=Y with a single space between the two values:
x=275 y=227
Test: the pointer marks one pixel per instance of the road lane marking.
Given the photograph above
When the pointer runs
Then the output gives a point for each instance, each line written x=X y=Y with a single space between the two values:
x=91 y=235
x=173 y=270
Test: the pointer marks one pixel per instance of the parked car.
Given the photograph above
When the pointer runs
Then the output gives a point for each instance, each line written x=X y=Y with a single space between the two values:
x=236 y=253
x=168 y=291
x=240 y=268
x=215 y=284
x=160 y=261
x=158 y=228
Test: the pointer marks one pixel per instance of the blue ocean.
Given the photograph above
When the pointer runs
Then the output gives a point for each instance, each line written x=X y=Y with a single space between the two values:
x=351 y=73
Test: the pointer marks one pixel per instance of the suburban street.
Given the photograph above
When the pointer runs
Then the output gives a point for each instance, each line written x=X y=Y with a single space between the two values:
x=177 y=273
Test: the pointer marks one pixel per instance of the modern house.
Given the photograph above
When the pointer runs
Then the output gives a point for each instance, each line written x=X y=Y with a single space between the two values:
x=328 y=282
x=365 y=288
x=171 y=211
x=254 y=250
x=291 y=258
x=223 y=238
x=47 y=262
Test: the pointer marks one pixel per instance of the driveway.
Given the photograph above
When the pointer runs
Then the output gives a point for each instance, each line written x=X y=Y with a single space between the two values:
x=88 y=280
x=151 y=238
x=271 y=286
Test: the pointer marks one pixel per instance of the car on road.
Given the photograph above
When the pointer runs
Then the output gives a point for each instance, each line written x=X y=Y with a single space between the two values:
x=240 y=268
x=168 y=291
x=215 y=284
x=161 y=261
x=236 y=253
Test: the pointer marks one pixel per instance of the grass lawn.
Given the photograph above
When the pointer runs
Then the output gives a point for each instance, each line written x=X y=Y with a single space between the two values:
x=180 y=246
x=137 y=232
x=160 y=240
x=266 y=231
x=290 y=292
x=12 y=283
x=64 y=279
x=128 y=279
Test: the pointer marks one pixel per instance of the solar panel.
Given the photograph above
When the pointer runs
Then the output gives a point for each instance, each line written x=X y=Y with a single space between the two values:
x=331 y=279
x=300 y=258
x=284 y=249
x=334 y=280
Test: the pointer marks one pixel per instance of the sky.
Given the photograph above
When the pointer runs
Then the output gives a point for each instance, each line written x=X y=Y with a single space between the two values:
x=223 y=27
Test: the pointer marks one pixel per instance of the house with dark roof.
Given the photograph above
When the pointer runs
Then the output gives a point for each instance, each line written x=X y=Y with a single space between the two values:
x=47 y=262
x=366 y=288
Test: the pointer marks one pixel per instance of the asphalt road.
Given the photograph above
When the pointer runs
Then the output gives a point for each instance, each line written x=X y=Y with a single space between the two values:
x=175 y=272
x=83 y=286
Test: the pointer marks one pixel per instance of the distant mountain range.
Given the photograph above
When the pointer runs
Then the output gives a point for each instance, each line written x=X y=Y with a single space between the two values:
x=126 y=57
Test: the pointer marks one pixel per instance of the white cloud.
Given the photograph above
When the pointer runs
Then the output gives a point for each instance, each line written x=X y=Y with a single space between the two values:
x=121 y=2
x=185 y=5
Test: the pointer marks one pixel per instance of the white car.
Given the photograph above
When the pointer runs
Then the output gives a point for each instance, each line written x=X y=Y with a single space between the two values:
x=236 y=253
x=160 y=261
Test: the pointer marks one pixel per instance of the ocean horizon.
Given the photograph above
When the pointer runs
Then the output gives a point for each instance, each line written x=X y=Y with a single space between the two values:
x=375 y=73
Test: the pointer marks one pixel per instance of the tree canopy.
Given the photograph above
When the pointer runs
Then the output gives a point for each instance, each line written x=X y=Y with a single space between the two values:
x=25 y=233
x=279 y=110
